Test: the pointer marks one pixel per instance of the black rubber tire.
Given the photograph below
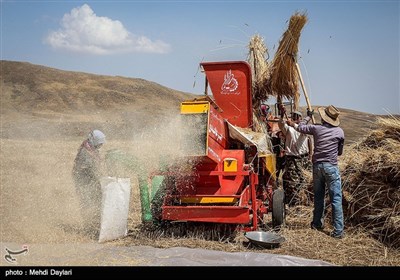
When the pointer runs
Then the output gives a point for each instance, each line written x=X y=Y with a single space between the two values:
x=278 y=208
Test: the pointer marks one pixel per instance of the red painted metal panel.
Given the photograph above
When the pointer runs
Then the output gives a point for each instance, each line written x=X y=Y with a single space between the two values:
x=232 y=183
x=234 y=214
x=206 y=183
x=217 y=128
x=217 y=135
x=214 y=214
x=253 y=181
x=245 y=197
x=231 y=85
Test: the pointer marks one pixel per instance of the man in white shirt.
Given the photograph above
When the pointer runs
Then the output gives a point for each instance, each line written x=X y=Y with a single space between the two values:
x=298 y=148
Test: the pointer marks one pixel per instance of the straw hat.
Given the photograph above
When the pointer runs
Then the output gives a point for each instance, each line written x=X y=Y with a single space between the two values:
x=330 y=115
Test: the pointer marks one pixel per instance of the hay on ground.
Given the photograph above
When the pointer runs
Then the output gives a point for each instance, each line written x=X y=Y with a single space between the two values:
x=371 y=182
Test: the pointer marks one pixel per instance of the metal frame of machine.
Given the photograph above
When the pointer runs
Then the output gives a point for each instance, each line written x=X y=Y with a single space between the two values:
x=229 y=181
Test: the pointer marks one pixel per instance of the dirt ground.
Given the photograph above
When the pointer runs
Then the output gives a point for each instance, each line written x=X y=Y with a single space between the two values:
x=39 y=205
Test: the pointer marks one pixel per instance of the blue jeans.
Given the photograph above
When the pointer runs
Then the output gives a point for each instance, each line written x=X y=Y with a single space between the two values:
x=327 y=175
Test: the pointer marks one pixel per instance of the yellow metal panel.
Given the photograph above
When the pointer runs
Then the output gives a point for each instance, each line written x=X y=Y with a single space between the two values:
x=208 y=199
x=270 y=164
x=194 y=107
x=230 y=165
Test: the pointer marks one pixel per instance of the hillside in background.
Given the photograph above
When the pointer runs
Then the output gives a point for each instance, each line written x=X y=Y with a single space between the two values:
x=64 y=103
x=31 y=87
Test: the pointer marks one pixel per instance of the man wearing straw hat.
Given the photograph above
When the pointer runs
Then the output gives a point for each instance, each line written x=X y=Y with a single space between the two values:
x=328 y=145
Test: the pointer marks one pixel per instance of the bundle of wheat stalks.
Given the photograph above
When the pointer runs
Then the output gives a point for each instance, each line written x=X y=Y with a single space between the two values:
x=371 y=182
x=279 y=78
x=284 y=77
x=258 y=60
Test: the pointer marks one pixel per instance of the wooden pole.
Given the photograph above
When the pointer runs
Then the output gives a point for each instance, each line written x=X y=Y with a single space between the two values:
x=304 y=91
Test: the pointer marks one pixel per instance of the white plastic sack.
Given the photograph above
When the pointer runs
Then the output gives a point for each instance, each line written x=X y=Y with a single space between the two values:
x=114 y=207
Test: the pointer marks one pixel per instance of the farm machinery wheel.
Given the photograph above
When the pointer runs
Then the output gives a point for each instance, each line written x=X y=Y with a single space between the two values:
x=278 y=208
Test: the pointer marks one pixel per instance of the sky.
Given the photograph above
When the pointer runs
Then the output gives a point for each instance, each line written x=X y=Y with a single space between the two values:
x=349 y=51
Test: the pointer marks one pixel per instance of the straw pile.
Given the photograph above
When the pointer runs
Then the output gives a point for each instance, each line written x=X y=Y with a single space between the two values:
x=371 y=182
x=283 y=81
x=357 y=248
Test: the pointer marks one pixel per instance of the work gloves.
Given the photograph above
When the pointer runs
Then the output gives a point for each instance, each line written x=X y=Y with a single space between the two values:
x=310 y=113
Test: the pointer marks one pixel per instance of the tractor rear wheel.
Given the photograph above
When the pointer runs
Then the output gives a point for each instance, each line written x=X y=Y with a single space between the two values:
x=278 y=208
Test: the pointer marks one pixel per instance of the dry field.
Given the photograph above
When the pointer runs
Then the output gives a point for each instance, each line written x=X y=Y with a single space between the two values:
x=38 y=204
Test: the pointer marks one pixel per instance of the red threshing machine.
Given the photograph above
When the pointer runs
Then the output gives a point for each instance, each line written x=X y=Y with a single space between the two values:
x=228 y=172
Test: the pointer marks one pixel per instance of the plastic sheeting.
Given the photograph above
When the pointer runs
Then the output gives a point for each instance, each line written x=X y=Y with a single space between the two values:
x=108 y=254
x=179 y=256
x=249 y=137
x=114 y=208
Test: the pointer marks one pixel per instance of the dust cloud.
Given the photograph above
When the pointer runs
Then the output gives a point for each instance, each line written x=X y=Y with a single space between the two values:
x=169 y=142
x=38 y=202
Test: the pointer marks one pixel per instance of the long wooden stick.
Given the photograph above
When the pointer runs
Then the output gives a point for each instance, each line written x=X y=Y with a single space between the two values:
x=304 y=91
